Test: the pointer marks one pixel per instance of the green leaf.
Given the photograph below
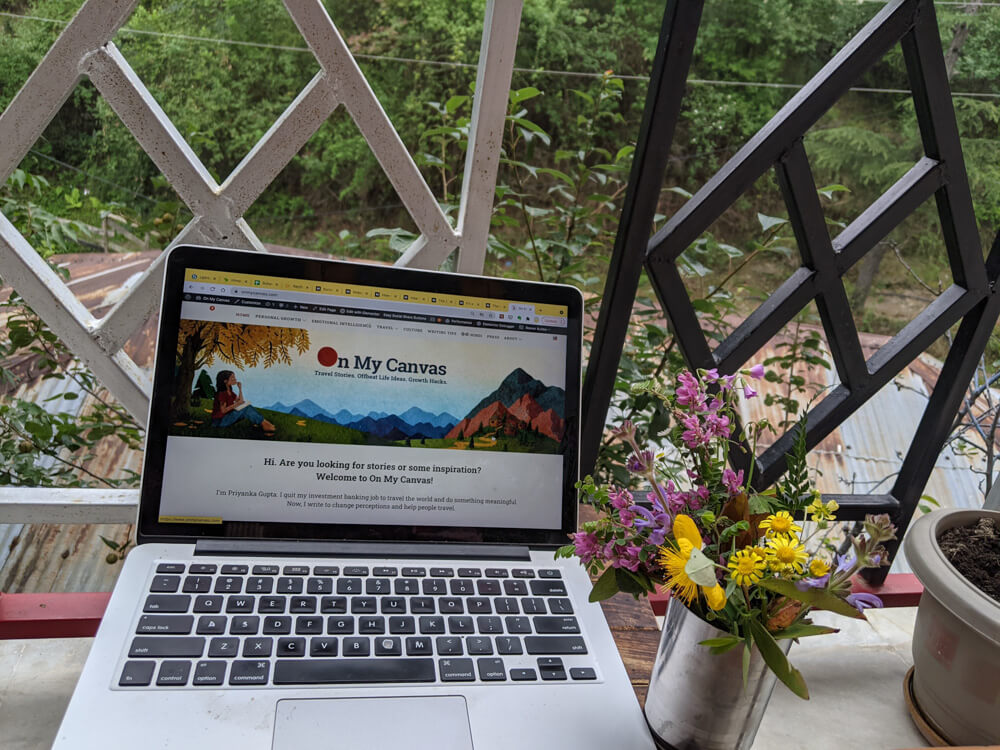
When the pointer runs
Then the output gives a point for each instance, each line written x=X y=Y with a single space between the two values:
x=803 y=630
x=775 y=658
x=604 y=587
x=679 y=191
x=819 y=598
x=746 y=663
x=827 y=191
x=454 y=103
x=767 y=222
x=721 y=645
x=700 y=569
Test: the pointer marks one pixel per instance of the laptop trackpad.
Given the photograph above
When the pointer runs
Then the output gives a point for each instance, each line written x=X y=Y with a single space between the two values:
x=426 y=723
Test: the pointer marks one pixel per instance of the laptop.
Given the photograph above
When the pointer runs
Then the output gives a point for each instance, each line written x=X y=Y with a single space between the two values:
x=355 y=478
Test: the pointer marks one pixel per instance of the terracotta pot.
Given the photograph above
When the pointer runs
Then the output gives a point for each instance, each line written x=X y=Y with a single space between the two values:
x=956 y=639
x=696 y=699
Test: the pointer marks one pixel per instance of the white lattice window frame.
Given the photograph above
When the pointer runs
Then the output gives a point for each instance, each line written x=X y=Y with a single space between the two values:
x=85 y=49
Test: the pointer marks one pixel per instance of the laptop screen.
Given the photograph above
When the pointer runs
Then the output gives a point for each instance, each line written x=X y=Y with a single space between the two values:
x=309 y=399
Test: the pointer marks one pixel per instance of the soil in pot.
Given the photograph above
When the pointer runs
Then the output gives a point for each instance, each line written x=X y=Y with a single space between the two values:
x=975 y=552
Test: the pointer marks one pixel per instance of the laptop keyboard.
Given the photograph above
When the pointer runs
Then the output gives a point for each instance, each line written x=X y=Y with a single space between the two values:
x=213 y=624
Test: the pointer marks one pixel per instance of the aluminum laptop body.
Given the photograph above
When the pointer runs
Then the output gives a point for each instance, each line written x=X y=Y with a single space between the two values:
x=355 y=478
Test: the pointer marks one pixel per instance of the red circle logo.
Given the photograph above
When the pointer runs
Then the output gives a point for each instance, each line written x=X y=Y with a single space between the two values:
x=327 y=356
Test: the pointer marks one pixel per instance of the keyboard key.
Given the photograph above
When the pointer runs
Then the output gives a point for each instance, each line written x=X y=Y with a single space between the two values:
x=478 y=605
x=448 y=645
x=517 y=624
x=173 y=673
x=450 y=605
x=421 y=605
x=265 y=570
x=208 y=604
x=307 y=625
x=509 y=645
x=371 y=625
x=555 y=644
x=166 y=646
x=431 y=624
x=415 y=572
x=272 y=605
x=250 y=672
x=197 y=584
x=550 y=573
x=506 y=605
x=515 y=588
x=442 y=572
x=167 y=603
x=326 y=570
x=321 y=647
x=457 y=670
x=223 y=648
x=340 y=625
x=168 y=568
x=377 y=586
x=583 y=673
x=244 y=625
x=287 y=585
x=277 y=625
x=460 y=624
x=551 y=669
x=212 y=624
x=393 y=605
x=405 y=586
x=477 y=645
x=137 y=673
x=362 y=605
x=523 y=675
x=496 y=573
x=302 y=605
x=336 y=671
x=523 y=573
x=533 y=605
x=388 y=647
x=234 y=570
x=257 y=648
x=560 y=607
x=348 y=585
x=491 y=670
x=487 y=587
x=296 y=570
x=239 y=604
x=260 y=585
x=545 y=625
x=228 y=585
x=209 y=673
x=357 y=647
x=164 y=625
x=489 y=625
x=333 y=605
x=384 y=572
x=462 y=587
x=165 y=584
x=402 y=625
x=548 y=588
x=319 y=586
x=356 y=570
x=204 y=569
x=469 y=572
x=295 y=646
x=434 y=586
x=418 y=646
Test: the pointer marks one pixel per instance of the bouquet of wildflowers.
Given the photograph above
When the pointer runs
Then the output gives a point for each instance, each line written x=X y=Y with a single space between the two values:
x=735 y=557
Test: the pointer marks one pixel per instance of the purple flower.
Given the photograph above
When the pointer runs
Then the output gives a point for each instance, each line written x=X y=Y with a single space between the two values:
x=640 y=463
x=626 y=517
x=626 y=431
x=626 y=557
x=748 y=392
x=711 y=375
x=587 y=547
x=845 y=563
x=805 y=584
x=756 y=372
x=862 y=601
x=726 y=381
x=620 y=499
x=657 y=536
x=733 y=481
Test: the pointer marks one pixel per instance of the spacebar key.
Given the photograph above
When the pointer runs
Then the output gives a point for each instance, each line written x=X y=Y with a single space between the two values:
x=326 y=672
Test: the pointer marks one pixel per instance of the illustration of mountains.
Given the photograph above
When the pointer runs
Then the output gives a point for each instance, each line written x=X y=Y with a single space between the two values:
x=520 y=402
x=413 y=423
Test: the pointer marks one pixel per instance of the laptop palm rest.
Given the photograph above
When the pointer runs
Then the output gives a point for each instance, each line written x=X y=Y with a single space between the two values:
x=424 y=723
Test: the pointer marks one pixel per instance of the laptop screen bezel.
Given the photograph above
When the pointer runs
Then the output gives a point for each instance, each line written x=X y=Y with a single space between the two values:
x=150 y=529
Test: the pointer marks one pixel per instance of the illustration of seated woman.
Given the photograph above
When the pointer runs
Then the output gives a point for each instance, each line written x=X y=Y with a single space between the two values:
x=230 y=407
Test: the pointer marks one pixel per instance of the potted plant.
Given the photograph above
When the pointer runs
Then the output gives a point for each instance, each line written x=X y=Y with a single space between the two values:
x=742 y=573
x=956 y=637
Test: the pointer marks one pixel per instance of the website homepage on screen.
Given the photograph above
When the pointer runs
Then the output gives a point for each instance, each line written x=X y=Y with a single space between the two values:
x=303 y=402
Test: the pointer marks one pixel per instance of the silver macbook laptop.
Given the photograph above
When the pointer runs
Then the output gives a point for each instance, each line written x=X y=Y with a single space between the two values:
x=355 y=478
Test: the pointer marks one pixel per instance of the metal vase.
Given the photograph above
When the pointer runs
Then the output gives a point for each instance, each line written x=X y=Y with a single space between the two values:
x=696 y=699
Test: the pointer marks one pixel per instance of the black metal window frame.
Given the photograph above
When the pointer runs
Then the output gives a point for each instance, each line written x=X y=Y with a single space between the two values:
x=970 y=301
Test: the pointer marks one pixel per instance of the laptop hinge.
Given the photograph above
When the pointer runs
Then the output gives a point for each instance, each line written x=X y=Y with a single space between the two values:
x=428 y=550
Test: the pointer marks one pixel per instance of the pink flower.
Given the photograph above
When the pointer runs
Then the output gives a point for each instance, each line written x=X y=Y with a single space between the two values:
x=693 y=436
x=733 y=481
x=620 y=499
x=711 y=375
x=716 y=426
x=756 y=372
x=689 y=391
x=626 y=517
x=587 y=547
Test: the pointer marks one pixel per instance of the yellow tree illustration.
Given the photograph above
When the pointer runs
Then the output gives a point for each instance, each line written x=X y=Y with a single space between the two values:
x=200 y=343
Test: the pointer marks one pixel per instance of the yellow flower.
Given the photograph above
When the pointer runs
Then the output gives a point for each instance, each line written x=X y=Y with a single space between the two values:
x=675 y=562
x=787 y=554
x=819 y=568
x=821 y=511
x=747 y=566
x=780 y=523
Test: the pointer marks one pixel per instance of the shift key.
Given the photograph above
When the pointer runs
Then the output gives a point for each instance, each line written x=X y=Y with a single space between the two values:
x=554 y=644
x=153 y=646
